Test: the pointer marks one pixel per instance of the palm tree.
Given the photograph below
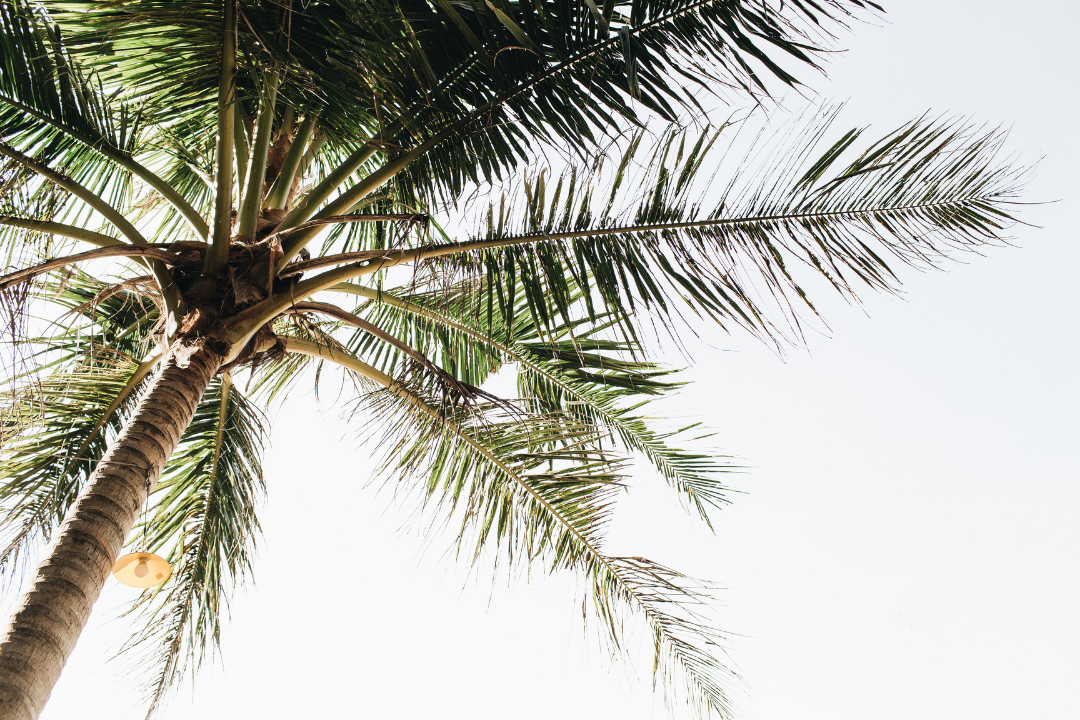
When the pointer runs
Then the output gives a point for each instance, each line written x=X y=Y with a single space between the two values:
x=239 y=165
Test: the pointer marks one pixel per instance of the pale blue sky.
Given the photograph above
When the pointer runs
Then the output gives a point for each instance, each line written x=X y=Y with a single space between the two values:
x=906 y=544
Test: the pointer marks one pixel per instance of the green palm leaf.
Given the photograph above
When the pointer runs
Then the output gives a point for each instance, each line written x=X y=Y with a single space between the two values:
x=53 y=431
x=205 y=524
x=76 y=390
x=46 y=99
x=659 y=240
x=554 y=375
x=540 y=488
x=424 y=69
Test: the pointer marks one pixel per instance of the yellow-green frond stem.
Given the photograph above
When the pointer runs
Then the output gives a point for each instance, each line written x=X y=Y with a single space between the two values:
x=260 y=147
x=55 y=228
x=278 y=194
x=221 y=233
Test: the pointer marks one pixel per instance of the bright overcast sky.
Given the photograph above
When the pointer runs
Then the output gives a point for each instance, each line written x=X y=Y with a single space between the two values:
x=906 y=542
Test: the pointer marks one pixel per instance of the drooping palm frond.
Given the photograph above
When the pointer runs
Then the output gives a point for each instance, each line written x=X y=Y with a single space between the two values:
x=205 y=524
x=464 y=463
x=538 y=488
x=686 y=646
x=556 y=519
x=48 y=101
x=693 y=475
x=63 y=409
x=561 y=370
x=52 y=433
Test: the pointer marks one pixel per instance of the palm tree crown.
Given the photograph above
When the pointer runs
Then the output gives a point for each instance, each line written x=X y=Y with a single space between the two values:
x=264 y=187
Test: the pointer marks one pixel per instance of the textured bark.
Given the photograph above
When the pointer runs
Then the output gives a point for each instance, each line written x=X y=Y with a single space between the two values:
x=47 y=622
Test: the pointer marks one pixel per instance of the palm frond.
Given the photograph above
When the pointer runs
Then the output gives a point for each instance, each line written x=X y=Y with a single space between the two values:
x=205 y=524
x=693 y=475
x=539 y=489
x=121 y=315
x=492 y=469
x=590 y=75
x=660 y=241
x=52 y=432
x=49 y=109
x=184 y=158
x=390 y=76
x=561 y=370
x=46 y=99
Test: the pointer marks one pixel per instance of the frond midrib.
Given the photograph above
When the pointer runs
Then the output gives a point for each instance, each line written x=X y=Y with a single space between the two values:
x=437 y=251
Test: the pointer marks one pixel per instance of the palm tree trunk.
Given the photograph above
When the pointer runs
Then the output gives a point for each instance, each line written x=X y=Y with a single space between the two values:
x=48 y=621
